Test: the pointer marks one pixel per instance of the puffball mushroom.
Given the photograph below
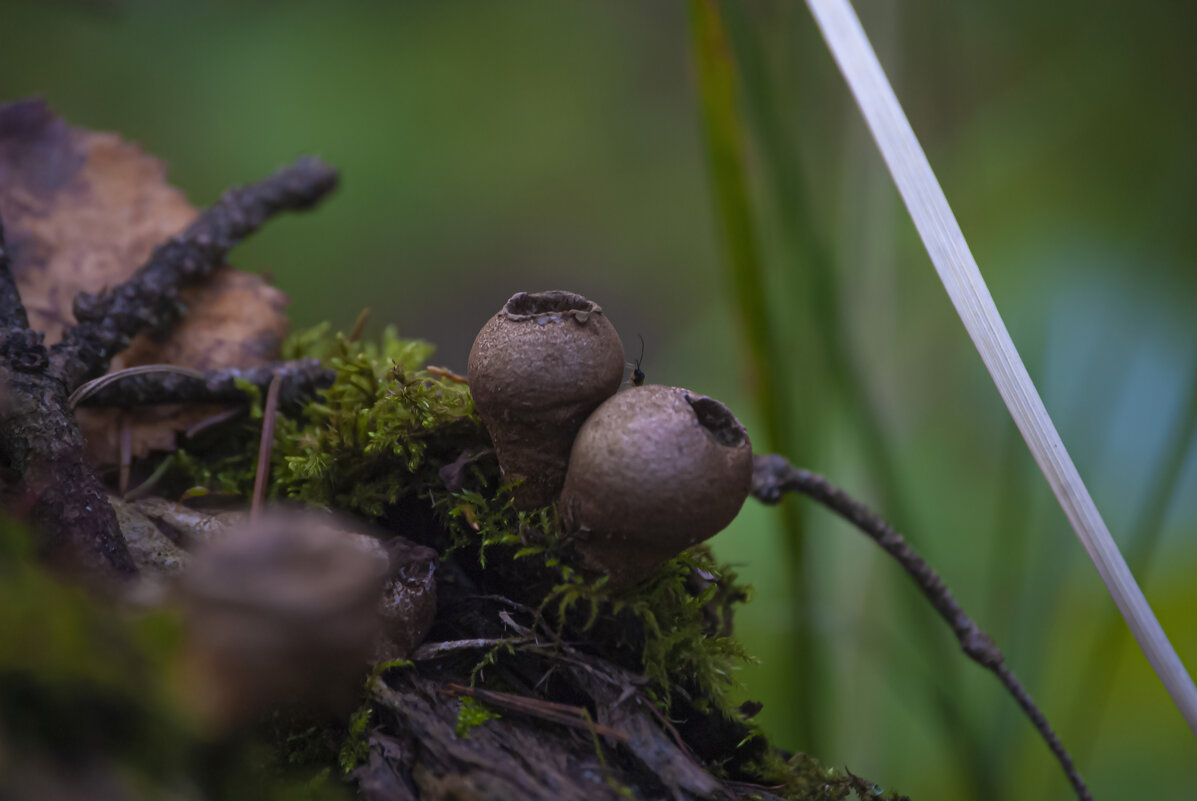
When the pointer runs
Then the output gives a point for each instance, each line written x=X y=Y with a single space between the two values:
x=537 y=369
x=280 y=610
x=653 y=471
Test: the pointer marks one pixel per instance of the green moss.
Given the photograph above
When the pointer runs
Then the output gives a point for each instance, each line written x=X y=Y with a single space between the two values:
x=473 y=713
x=356 y=746
x=681 y=644
x=364 y=443
x=802 y=778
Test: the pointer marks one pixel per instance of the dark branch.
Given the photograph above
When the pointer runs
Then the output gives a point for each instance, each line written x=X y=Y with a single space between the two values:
x=300 y=380
x=41 y=450
x=52 y=484
x=773 y=476
x=12 y=311
x=21 y=349
x=150 y=299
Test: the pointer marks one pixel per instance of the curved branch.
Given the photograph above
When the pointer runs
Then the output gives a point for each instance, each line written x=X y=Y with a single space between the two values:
x=773 y=476
x=300 y=380
x=150 y=299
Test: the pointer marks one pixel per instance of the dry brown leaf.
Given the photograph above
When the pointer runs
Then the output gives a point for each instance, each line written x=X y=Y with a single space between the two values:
x=83 y=211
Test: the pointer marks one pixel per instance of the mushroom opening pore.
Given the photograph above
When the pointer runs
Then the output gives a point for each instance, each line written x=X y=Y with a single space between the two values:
x=718 y=419
x=531 y=304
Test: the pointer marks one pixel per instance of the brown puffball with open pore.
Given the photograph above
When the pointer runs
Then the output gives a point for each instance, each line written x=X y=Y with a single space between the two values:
x=537 y=369
x=653 y=471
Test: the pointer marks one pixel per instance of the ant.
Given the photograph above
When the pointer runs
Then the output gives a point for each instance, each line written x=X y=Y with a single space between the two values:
x=637 y=373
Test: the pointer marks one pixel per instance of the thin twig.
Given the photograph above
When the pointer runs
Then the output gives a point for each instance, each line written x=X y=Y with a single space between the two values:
x=773 y=476
x=126 y=449
x=265 y=446
x=86 y=390
x=359 y=325
x=445 y=372
x=435 y=650
x=150 y=299
x=214 y=420
x=641 y=698
x=151 y=387
x=573 y=716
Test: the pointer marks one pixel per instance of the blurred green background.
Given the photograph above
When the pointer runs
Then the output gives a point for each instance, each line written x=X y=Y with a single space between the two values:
x=700 y=171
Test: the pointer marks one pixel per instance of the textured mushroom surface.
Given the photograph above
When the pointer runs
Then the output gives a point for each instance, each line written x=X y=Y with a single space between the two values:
x=537 y=369
x=653 y=471
x=409 y=599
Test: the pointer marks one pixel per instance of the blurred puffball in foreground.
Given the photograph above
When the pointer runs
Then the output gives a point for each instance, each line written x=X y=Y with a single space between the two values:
x=283 y=610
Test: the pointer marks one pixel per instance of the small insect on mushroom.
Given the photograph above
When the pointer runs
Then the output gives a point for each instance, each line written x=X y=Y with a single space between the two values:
x=637 y=373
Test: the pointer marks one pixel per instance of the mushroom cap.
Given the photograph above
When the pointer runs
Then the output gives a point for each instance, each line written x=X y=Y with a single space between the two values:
x=537 y=369
x=545 y=353
x=654 y=470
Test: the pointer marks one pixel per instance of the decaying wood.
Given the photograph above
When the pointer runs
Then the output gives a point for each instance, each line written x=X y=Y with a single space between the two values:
x=529 y=755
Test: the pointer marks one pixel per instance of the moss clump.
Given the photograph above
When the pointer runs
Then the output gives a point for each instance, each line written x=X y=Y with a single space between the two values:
x=379 y=433
x=802 y=778
x=473 y=713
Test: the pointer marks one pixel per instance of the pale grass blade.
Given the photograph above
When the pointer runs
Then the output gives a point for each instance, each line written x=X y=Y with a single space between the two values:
x=958 y=270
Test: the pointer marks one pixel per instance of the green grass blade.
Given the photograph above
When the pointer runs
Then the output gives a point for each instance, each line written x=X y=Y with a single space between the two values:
x=770 y=368
x=830 y=365
x=1108 y=644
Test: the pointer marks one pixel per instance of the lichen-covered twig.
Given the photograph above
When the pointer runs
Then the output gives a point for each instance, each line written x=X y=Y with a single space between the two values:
x=150 y=299
x=41 y=450
x=773 y=476
x=299 y=381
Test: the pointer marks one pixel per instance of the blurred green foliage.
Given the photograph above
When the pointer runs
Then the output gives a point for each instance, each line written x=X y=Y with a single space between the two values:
x=489 y=148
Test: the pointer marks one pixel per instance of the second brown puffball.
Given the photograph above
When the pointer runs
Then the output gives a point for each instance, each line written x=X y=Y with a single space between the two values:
x=653 y=471
x=536 y=370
